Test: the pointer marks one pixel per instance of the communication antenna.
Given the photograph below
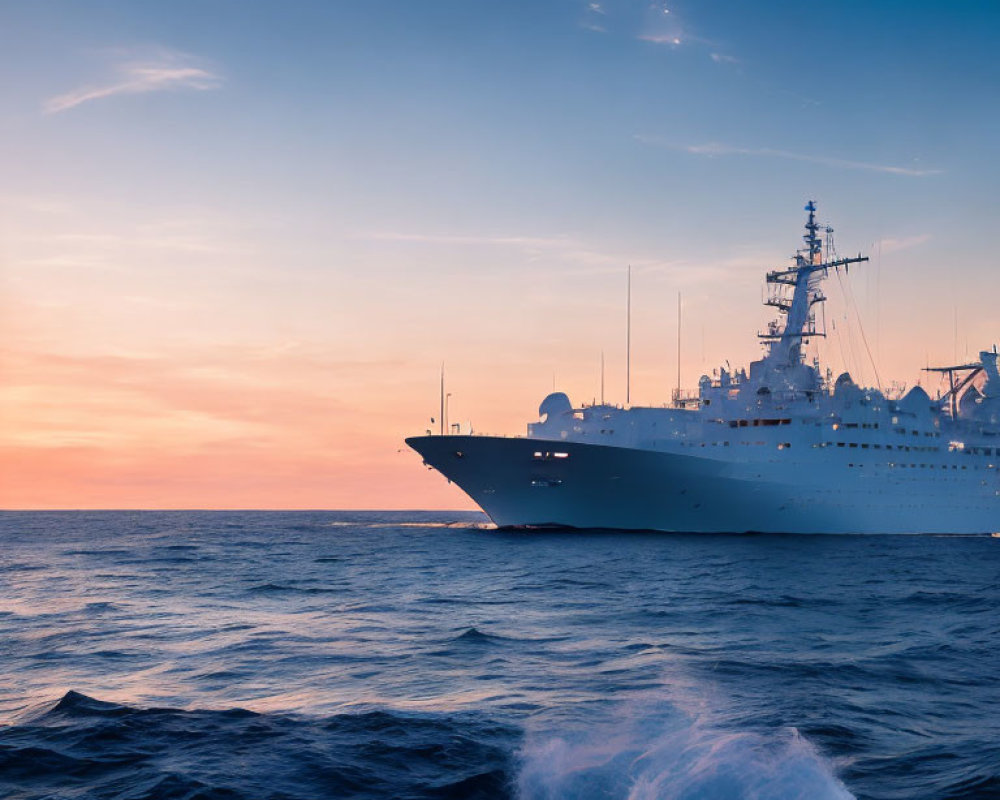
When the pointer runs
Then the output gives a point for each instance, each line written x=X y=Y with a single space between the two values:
x=956 y=334
x=441 y=418
x=602 y=377
x=678 y=349
x=628 y=339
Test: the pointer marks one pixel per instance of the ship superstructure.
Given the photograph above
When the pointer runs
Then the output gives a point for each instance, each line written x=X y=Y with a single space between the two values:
x=779 y=448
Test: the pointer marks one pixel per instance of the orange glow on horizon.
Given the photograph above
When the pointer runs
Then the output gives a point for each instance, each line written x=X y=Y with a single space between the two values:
x=201 y=382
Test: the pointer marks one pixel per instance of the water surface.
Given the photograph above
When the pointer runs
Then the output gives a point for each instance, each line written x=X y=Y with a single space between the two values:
x=418 y=655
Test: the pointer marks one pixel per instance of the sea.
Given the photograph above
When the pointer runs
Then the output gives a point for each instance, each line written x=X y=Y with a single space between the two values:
x=323 y=654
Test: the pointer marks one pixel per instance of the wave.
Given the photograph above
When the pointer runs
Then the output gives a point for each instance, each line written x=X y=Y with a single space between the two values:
x=281 y=588
x=651 y=750
x=86 y=747
x=476 y=636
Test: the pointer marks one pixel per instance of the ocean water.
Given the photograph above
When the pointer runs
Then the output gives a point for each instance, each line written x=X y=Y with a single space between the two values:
x=418 y=655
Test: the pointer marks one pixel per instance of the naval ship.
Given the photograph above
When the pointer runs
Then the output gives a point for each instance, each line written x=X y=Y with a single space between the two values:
x=780 y=448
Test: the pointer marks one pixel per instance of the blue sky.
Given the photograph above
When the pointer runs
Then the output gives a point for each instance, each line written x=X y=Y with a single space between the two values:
x=368 y=188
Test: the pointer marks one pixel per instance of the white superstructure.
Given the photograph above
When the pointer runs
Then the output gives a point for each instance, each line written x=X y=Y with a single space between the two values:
x=778 y=448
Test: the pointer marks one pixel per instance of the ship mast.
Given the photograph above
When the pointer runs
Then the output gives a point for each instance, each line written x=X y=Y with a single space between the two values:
x=955 y=388
x=794 y=292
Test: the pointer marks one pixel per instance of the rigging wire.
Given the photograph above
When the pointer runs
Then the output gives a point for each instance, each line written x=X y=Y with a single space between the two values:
x=852 y=364
x=857 y=364
x=861 y=328
x=845 y=367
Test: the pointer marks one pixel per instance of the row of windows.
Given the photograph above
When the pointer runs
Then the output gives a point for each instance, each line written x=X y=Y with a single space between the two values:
x=969 y=451
x=985 y=451
x=866 y=446
x=874 y=426
x=893 y=465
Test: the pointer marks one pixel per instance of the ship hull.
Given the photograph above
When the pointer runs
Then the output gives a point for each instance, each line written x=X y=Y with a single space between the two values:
x=528 y=482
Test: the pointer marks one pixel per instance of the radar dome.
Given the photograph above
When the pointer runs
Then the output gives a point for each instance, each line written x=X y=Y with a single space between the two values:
x=916 y=402
x=846 y=390
x=844 y=379
x=555 y=404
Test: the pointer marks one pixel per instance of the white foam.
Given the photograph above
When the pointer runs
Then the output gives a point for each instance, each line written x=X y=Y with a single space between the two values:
x=652 y=751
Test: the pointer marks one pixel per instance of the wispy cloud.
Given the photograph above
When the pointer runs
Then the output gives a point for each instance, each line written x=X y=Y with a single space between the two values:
x=164 y=70
x=651 y=21
x=453 y=239
x=895 y=245
x=661 y=38
x=562 y=248
x=711 y=149
x=593 y=18
x=579 y=257
x=662 y=26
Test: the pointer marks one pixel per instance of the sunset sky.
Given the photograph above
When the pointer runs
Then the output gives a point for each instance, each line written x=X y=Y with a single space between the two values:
x=237 y=241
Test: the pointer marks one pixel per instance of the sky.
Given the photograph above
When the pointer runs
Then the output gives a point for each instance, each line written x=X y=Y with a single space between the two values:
x=238 y=241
